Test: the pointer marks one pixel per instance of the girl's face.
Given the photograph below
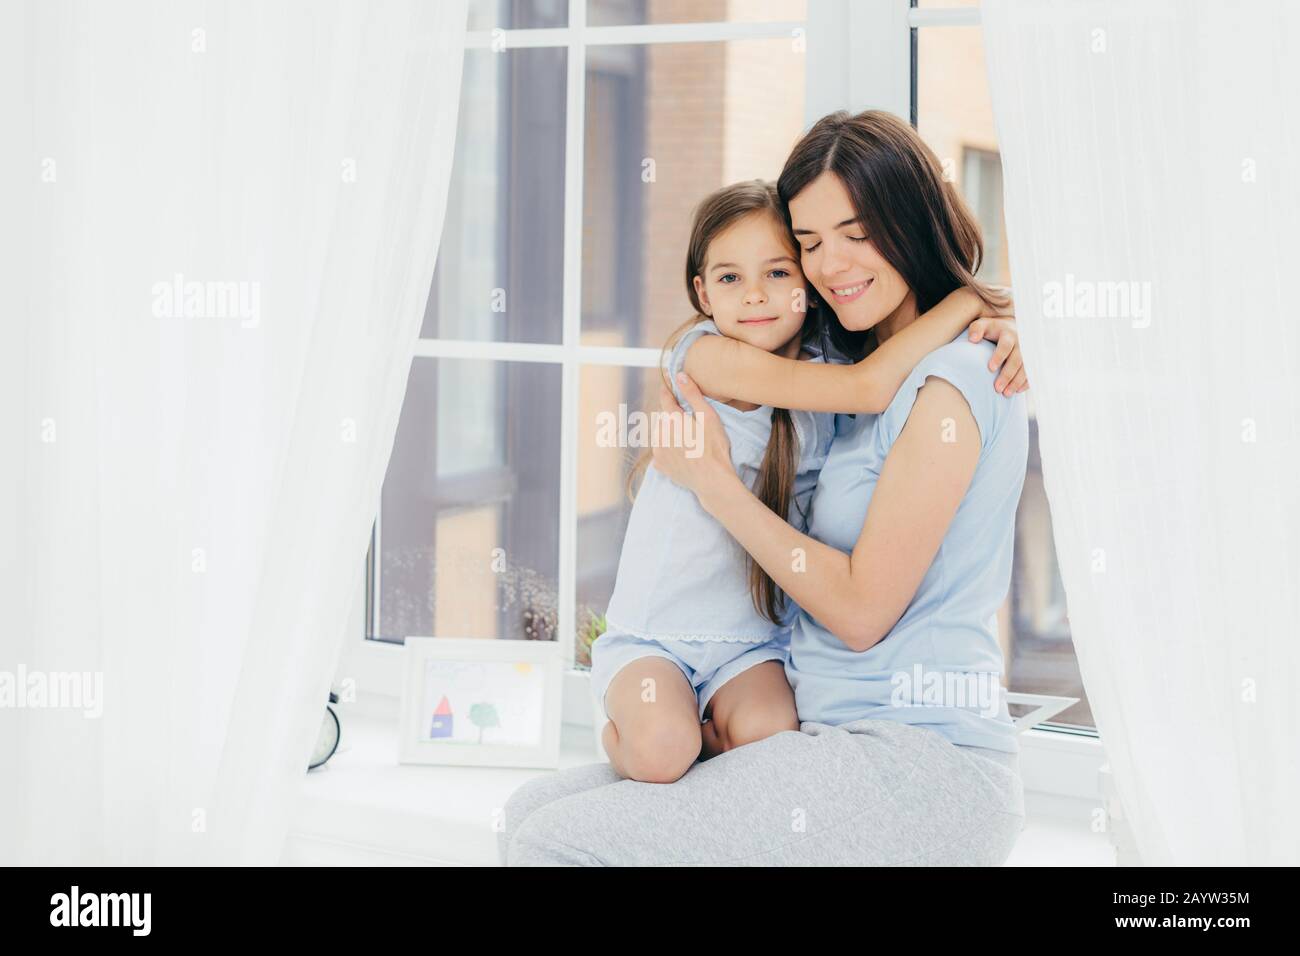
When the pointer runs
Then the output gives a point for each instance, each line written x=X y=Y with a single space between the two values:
x=839 y=258
x=751 y=285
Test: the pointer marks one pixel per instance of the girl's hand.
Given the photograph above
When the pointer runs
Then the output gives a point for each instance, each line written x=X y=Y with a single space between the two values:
x=692 y=450
x=1002 y=330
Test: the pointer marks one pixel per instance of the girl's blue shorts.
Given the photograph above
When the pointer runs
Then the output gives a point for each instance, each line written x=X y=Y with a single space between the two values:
x=707 y=665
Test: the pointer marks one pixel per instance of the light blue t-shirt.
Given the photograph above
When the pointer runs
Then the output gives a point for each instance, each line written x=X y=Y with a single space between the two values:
x=941 y=665
x=681 y=576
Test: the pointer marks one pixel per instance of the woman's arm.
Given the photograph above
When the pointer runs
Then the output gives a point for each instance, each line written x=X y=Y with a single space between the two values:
x=860 y=596
x=728 y=369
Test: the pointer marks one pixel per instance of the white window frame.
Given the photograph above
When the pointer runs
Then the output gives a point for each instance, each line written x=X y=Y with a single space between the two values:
x=375 y=665
x=1058 y=766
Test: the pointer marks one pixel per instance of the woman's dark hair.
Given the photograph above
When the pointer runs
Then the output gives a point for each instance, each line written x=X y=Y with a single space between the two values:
x=917 y=221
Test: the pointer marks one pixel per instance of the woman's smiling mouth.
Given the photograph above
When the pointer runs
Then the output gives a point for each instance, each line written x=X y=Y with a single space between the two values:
x=850 y=292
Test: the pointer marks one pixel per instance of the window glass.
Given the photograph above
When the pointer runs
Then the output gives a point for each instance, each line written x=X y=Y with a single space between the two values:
x=955 y=117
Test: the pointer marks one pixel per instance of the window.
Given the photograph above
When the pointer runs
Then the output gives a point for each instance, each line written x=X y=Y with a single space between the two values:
x=588 y=132
x=955 y=117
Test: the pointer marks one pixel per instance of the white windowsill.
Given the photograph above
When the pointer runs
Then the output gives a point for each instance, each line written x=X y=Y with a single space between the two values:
x=364 y=808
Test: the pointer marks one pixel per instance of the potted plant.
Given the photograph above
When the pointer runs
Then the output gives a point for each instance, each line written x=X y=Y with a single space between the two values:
x=592 y=628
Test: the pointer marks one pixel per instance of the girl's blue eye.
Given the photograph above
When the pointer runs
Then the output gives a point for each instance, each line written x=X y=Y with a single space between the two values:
x=728 y=276
x=779 y=273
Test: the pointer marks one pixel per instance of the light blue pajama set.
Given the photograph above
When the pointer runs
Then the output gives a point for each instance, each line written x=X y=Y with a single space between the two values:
x=682 y=591
x=902 y=757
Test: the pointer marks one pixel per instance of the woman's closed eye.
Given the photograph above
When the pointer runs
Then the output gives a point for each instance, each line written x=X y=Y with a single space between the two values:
x=808 y=250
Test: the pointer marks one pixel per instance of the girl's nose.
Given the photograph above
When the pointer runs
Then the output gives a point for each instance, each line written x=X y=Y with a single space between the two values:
x=755 y=295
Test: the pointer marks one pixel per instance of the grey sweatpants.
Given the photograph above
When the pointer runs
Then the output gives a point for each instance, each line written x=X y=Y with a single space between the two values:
x=866 y=793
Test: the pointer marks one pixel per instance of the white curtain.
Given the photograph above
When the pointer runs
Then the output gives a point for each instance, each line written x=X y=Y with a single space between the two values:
x=219 y=230
x=1149 y=156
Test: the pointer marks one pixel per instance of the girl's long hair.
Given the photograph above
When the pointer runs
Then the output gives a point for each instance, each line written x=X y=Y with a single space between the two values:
x=774 y=484
x=918 y=222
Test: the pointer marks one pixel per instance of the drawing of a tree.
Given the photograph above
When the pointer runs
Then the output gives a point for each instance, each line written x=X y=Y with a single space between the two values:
x=484 y=717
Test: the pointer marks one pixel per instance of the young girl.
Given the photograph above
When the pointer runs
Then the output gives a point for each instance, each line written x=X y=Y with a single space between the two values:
x=692 y=662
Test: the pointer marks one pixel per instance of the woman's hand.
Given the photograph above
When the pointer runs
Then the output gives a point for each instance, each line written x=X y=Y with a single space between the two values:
x=692 y=450
x=1007 y=357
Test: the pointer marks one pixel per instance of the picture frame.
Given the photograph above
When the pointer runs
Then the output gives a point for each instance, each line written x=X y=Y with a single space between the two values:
x=481 y=703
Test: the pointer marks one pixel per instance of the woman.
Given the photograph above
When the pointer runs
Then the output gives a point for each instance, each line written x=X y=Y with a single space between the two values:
x=906 y=753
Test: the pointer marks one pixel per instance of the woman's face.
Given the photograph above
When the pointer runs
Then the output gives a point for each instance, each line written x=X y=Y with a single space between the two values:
x=839 y=258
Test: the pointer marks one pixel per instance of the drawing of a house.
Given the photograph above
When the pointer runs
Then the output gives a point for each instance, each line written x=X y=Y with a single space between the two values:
x=442 y=719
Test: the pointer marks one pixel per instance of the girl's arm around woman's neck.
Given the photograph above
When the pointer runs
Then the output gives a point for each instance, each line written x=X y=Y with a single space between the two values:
x=727 y=369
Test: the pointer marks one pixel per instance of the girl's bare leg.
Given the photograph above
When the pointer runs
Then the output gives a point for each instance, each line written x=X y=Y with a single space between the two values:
x=653 y=734
x=752 y=706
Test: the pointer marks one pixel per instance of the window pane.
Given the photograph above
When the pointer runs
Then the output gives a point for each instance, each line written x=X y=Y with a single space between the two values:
x=500 y=269
x=666 y=125
x=603 y=505
x=517 y=14
x=981 y=183
x=469 y=535
x=955 y=117
x=609 y=13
